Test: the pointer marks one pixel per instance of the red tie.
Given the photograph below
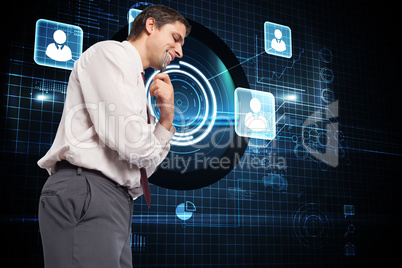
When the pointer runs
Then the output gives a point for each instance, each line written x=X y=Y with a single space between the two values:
x=144 y=177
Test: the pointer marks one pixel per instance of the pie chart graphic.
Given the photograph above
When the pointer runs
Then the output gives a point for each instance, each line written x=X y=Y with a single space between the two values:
x=184 y=211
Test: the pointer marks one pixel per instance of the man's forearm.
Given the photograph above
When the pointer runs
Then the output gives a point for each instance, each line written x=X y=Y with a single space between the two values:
x=166 y=122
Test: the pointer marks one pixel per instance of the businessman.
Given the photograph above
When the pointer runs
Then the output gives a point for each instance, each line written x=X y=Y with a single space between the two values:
x=107 y=144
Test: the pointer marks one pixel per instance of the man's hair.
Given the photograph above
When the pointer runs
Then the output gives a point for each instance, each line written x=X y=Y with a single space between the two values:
x=162 y=15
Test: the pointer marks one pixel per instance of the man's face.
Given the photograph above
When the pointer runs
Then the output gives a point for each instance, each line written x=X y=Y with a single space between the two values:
x=169 y=38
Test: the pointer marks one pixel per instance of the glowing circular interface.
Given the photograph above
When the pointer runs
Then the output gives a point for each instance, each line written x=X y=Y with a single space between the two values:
x=205 y=146
x=195 y=103
x=311 y=224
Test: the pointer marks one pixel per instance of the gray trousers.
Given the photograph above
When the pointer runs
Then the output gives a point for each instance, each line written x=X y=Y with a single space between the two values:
x=84 y=220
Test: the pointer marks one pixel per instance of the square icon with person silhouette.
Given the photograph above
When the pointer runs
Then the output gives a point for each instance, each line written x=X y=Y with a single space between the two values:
x=255 y=114
x=57 y=44
x=277 y=39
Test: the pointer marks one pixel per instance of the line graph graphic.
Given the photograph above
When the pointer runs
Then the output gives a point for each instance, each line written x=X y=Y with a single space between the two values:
x=254 y=59
x=279 y=75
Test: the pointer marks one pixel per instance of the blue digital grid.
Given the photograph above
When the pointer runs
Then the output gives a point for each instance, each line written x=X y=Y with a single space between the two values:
x=281 y=206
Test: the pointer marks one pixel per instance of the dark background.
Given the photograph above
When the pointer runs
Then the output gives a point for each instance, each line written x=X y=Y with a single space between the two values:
x=364 y=41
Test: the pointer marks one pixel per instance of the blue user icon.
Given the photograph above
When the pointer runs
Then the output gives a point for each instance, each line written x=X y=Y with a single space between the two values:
x=57 y=44
x=58 y=51
x=278 y=39
x=255 y=114
x=255 y=120
x=277 y=43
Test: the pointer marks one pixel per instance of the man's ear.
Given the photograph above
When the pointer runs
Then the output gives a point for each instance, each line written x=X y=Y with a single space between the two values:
x=150 y=25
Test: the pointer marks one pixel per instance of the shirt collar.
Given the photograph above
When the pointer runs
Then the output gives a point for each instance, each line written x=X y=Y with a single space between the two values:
x=134 y=52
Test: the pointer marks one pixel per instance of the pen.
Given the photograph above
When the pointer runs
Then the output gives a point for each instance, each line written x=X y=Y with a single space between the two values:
x=164 y=64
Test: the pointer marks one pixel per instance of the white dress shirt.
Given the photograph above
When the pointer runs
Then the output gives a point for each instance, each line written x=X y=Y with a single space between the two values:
x=104 y=122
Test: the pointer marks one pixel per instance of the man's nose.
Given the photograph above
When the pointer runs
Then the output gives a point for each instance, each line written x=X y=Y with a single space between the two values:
x=179 y=51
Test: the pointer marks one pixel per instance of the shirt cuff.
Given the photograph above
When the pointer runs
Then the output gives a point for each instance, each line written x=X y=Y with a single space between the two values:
x=163 y=135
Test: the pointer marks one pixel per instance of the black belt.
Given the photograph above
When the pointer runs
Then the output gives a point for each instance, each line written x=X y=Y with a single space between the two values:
x=64 y=164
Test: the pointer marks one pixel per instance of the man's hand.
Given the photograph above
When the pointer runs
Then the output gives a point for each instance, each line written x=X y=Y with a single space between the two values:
x=162 y=89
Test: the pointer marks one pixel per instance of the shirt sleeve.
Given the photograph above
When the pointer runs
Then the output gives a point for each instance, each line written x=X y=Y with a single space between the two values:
x=116 y=105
